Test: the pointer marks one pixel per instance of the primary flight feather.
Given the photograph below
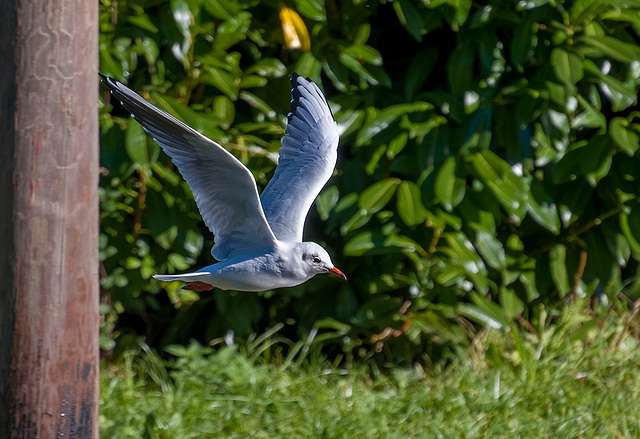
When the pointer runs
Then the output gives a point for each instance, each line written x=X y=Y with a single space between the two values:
x=258 y=239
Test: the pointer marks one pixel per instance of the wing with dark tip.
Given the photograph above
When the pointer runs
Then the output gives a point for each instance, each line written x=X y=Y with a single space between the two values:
x=224 y=189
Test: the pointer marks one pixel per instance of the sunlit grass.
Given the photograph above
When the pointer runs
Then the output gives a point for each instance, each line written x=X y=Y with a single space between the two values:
x=567 y=382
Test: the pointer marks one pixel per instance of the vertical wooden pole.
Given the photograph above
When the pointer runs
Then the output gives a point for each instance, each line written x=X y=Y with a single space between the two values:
x=7 y=254
x=49 y=294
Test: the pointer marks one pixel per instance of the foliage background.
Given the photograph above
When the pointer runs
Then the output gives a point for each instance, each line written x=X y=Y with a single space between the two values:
x=487 y=171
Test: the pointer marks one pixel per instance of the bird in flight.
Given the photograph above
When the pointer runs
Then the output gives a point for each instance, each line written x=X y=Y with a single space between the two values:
x=258 y=239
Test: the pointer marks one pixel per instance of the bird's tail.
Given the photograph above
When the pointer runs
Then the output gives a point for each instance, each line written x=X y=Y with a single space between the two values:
x=186 y=277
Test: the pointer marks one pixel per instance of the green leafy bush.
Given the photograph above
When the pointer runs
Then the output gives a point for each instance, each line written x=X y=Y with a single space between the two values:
x=488 y=164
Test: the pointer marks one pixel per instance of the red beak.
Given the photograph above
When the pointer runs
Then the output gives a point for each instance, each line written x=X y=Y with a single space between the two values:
x=338 y=273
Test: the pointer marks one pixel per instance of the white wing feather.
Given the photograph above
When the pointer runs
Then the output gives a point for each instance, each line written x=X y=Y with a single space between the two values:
x=307 y=158
x=224 y=189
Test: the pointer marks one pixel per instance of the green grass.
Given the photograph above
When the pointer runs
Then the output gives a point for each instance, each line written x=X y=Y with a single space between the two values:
x=575 y=380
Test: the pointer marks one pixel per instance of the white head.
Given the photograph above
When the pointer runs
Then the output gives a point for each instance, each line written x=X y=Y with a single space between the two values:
x=316 y=260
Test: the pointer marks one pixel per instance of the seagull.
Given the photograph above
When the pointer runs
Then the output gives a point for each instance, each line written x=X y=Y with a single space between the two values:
x=258 y=238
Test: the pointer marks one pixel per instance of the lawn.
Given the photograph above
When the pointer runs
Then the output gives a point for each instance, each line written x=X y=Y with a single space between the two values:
x=572 y=381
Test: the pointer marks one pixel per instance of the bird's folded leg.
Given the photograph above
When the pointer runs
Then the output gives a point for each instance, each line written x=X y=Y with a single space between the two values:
x=198 y=286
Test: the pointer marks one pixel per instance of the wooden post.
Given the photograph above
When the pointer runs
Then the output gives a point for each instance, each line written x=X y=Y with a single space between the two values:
x=49 y=292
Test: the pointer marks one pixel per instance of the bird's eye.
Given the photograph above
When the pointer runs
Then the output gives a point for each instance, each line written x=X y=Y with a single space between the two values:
x=316 y=260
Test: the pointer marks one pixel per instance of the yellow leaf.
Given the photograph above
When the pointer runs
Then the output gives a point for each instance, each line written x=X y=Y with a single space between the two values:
x=296 y=35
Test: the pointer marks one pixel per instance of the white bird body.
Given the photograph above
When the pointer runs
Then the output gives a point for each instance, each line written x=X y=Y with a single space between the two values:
x=279 y=268
x=258 y=240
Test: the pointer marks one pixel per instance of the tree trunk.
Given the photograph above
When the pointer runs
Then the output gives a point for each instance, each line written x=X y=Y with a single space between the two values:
x=49 y=291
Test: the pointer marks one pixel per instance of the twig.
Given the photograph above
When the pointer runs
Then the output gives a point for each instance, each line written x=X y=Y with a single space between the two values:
x=578 y=277
x=627 y=321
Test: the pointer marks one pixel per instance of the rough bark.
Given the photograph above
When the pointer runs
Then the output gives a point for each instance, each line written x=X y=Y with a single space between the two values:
x=49 y=291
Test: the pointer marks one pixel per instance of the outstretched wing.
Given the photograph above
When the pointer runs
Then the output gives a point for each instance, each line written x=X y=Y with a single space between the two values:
x=224 y=189
x=307 y=158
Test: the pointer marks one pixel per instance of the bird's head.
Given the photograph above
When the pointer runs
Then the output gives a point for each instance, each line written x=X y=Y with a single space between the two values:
x=316 y=260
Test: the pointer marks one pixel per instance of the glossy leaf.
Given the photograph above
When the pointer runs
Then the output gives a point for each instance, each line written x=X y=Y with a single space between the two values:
x=485 y=311
x=490 y=249
x=409 y=17
x=326 y=201
x=376 y=196
x=313 y=9
x=464 y=255
x=397 y=144
x=567 y=66
x=448 y=187
x=597 y=158
x=614 y=48
x=364 y=53
x=410 y=207
x=268 y=67
x=379 y=121
x=142 y=21
x=376 y=243
x=630 y=228
x=558 y=265
x=511 y=303
x=509 y=189
x=136 y=143
x=542 y=208
x=625 y=138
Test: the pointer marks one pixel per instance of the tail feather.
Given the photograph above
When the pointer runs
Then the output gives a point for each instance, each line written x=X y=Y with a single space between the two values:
x=186 y=277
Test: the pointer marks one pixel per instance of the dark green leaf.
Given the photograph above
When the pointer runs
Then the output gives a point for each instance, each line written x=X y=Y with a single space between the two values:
x=558 y=265
x=142 y=21
x=326 y=201
x=135 y=140
x=379 y=121
x=491 y=250
x=250 y=81
x=224 y=111
x=364 y=53
x=313 y=9
x=542 y=208
x=590 y=117
x=510 y=190
x=630 y=227
x=268 y=67
x=409 y=17
x=599 y=260
x=485 y=311
x=397 y=144
x=410 y=207
x=223 y=81
x=511 y=303
x=596 y=159
x=522 y=45
x=308 y=66
x=419 y=70
x=376 y=243
x=567 y=66
x=623 y=137
x=614 y=48
x=460 y=69
x=448 y=187
x=376 y=196
x=258 y=103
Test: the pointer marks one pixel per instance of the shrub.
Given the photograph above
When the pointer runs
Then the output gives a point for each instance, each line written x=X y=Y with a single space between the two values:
x=487 y=169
